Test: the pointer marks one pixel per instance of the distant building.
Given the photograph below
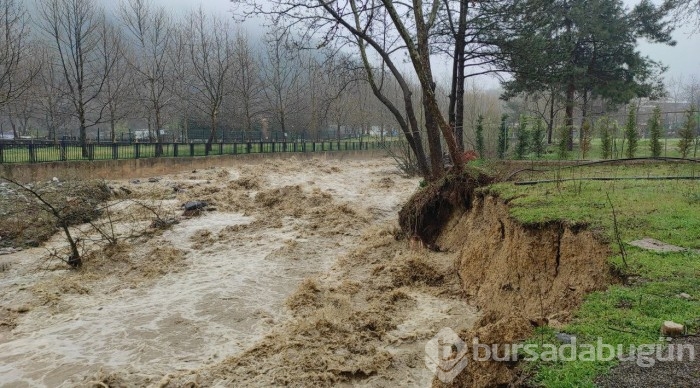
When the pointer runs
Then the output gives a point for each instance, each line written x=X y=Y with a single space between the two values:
x=144 y=134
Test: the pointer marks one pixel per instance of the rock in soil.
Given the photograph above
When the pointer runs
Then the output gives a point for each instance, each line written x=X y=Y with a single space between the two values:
x=672 y=329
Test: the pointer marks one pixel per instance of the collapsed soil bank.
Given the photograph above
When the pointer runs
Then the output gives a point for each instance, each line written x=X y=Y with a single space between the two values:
x=518 y=276
x=536 y=271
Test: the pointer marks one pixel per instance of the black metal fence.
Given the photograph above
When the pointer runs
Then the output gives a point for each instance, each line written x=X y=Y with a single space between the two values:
x=46 y=151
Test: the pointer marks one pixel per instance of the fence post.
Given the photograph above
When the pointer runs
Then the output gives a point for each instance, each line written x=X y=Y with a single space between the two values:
x=32 y=153
x=313 y=146
x=115 y=151
x=248 y=147
x=175 y=150
x=191 y=149
x=2 y=153
x=137 y=150
x=91 y=152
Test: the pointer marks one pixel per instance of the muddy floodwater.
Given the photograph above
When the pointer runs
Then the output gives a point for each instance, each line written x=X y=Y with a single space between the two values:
x=224 y=281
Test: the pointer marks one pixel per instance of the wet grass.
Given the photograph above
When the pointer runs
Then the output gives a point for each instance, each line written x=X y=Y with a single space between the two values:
x=632 y=312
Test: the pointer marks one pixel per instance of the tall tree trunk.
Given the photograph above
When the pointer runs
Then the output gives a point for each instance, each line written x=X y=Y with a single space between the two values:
x=569 y=120
x=434 y=144
x=456 y=106
x=83 y=136
x=159 y=137
x=584 y=115
x=82 y=119
x=112 y=126
x=212 y=134
x=550 y=124
x=435 y=122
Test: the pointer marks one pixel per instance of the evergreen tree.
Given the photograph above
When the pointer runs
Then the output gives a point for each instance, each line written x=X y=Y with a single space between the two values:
x=614 y=132
x=631 y=135
x=523 y=144
x=605 y=138
x=586 y=130
x=480 y=147
x=563 y=144
x=654 y=126
x=583 y=46
x=503 y=137
x=538 y=139
x=687 y=132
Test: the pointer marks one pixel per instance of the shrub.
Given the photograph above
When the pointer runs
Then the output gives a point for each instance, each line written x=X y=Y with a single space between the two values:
x=563 y=145
x=503 y=138
x=687 y=132
x=538 y=145
x=605 y=137
x=654 y=125
x=586 y=130
x=631 y=135
x=480 y=147
x=521 y=148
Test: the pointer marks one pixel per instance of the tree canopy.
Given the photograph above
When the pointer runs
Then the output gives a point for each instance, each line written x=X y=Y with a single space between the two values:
x=587 y=47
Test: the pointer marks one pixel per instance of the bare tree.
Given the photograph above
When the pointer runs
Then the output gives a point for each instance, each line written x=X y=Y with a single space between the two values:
x=687 y=13
x=247 y=86
x=20 y=112
x=75 y=30
x=16 y=74
x=383 y=45
x=151 y=31
x=182 y=79
x=52 y=106
x=211 y=53
x=280 y=75
x=118 y=85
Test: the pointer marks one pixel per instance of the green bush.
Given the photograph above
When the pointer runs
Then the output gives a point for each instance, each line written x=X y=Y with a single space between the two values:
x=523 y=145
x=631 y=135
x=480 y=147
x=538 y=144
x=503 y=138
x=605 y=137
x=654 y=125
x=687 y=133
x=563 y=145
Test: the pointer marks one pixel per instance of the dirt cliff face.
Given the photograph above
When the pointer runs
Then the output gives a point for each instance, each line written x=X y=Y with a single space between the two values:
x=535 y=271
x=519 y=276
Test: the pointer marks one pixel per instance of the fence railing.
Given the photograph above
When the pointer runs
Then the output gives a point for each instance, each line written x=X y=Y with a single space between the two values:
x=40 y=152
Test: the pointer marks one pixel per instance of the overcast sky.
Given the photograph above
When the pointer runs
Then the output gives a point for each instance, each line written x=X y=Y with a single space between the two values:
x=683 y=59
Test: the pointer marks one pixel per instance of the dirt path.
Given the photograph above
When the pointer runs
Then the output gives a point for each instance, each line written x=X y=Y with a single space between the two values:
x=274 y=225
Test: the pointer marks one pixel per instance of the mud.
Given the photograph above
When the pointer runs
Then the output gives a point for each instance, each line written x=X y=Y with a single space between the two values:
x=298 y=274
x=194 y=292
x=519 y=277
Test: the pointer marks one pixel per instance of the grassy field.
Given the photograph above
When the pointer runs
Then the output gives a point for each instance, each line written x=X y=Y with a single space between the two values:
x=632 y=312
x=107 y=151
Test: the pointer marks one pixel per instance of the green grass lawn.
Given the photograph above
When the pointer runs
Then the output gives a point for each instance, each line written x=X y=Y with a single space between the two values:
x=624 y=314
